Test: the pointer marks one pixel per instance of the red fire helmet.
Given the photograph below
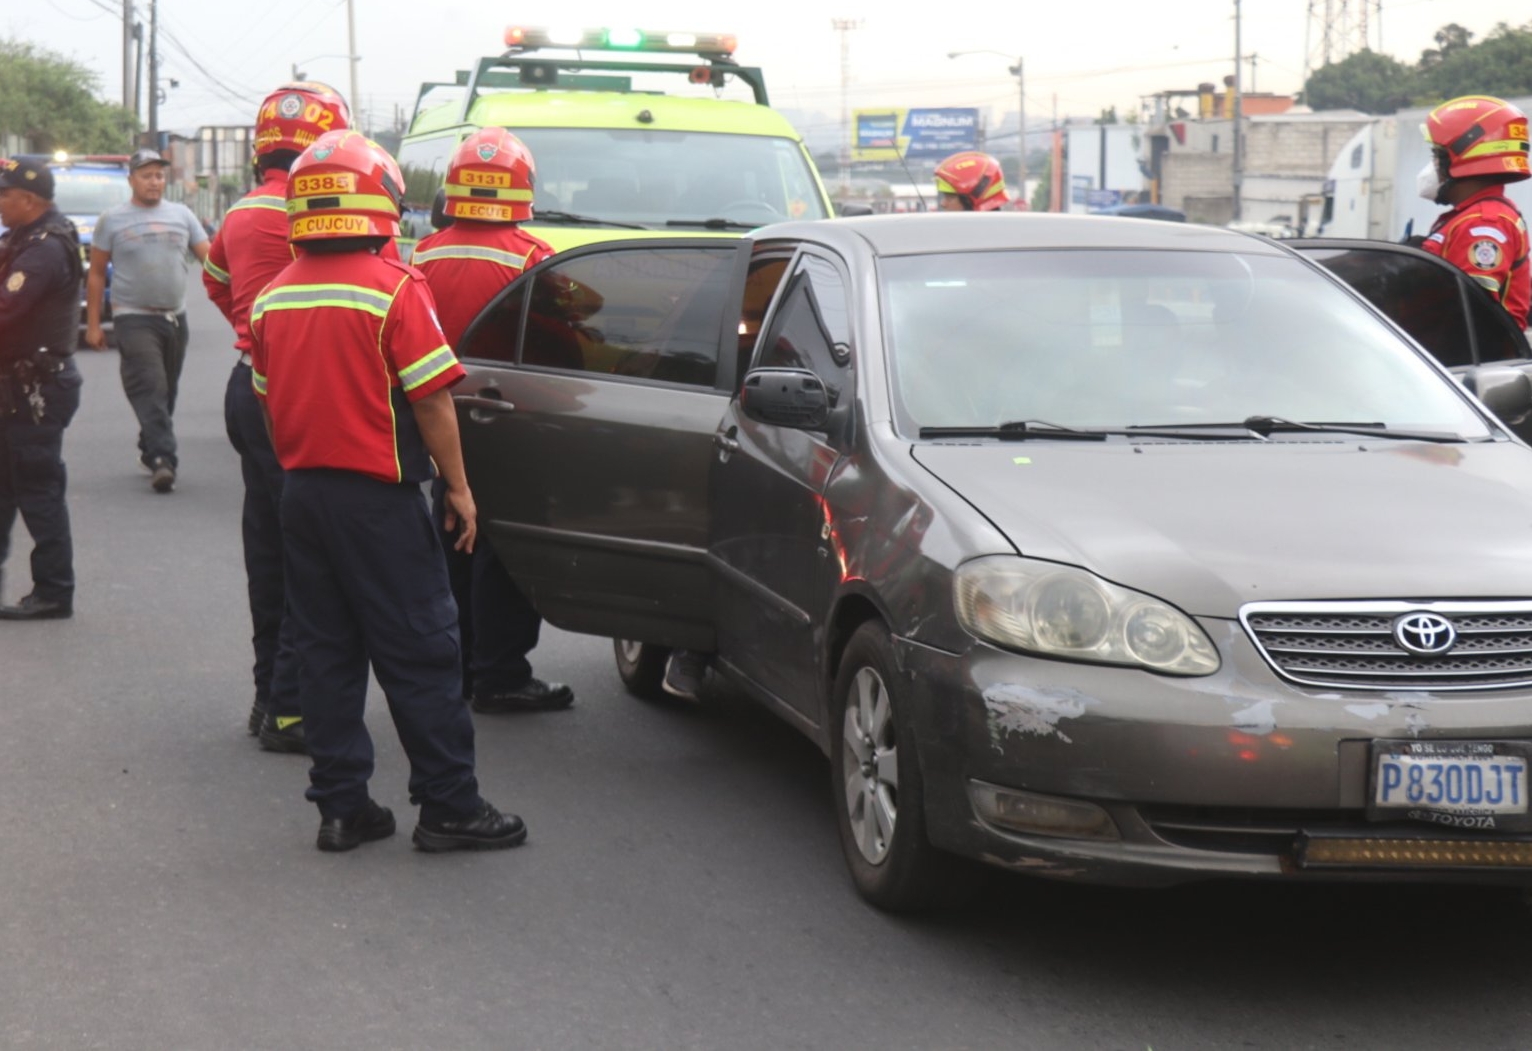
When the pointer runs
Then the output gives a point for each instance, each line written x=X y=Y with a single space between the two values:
x=1479 y=135
x=975 y=178
x=294 y=115
x=344 y=185
x=490 y=178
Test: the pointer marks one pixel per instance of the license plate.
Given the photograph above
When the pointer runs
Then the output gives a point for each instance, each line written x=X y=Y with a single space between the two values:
x=1461 y=784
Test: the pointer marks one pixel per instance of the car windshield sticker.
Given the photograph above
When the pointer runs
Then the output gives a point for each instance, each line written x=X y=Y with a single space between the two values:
x=1021 y=460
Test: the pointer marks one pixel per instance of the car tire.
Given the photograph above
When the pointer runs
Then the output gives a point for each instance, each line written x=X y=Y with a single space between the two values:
x=641 y=666
x=875 y=780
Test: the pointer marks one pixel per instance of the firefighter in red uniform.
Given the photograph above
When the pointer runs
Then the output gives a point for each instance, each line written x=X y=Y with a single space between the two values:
x=353 y=371
x=970 y=182
x=1478 y=144
x=488 y=192
x=249 y=250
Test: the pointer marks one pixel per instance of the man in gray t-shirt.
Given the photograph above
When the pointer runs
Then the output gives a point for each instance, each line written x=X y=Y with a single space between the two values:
x=146 y=242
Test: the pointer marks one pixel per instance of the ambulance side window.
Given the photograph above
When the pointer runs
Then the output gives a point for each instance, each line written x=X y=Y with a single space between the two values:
x=423 y=164
x=648 y=314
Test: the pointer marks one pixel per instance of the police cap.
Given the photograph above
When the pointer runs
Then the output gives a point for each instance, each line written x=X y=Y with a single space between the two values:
x=25 y=174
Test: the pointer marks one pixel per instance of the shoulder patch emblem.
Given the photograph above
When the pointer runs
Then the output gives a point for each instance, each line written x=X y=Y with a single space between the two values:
x=15 y=281
x=1486 y=254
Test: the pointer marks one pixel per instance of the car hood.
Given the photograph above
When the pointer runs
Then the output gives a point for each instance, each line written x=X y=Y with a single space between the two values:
x=1211 y=526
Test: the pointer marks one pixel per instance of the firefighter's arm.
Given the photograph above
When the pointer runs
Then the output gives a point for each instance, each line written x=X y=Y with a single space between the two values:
x=438 y=426
x=95 y=295
x=215 y=278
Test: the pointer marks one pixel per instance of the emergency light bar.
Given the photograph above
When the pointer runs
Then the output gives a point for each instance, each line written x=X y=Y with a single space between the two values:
x=524 y=38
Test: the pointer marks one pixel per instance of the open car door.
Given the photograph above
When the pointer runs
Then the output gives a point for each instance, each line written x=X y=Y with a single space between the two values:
x=587 y=419
x=1444 y=311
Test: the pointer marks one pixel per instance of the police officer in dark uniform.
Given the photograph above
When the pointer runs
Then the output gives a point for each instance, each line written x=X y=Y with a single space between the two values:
x=40 y=273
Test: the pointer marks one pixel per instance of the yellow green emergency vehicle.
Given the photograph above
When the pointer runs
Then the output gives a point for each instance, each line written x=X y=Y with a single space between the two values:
x=638 y=142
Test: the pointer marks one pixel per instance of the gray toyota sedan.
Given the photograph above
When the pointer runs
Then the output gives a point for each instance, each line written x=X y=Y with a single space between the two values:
x=1095 y=549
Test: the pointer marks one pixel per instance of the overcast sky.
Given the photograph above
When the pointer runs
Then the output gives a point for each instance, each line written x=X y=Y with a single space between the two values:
x=1079 y=57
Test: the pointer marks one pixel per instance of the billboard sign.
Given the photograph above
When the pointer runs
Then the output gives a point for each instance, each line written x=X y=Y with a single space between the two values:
x=886 y=134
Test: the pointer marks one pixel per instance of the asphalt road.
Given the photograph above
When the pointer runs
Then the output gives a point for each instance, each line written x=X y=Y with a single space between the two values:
x=682 y=886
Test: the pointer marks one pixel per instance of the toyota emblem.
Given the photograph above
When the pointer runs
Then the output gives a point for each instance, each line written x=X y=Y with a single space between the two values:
x=1425 y=634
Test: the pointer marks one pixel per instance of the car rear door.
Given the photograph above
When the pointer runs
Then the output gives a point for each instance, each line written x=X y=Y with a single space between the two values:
x=1436 y=303
x=593 y=395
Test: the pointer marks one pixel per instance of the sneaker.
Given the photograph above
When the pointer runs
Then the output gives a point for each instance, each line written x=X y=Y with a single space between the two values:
x=370 y=823
x=283 y=733
x=532 y=696
x=484 y=829
x=684 y=674
x=164 y=477
x=33 y=607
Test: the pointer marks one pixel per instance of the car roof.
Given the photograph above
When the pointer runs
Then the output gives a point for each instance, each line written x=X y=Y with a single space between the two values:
x=609 y=109
x=925 y=233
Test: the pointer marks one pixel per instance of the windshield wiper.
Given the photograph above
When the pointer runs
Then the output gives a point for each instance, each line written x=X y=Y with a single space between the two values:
x=1265 y=426
x=541 y=216
x=1016 y=430
x=713 y=224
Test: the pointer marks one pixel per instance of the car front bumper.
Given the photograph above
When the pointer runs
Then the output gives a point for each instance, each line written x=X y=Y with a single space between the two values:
x=1234 y=774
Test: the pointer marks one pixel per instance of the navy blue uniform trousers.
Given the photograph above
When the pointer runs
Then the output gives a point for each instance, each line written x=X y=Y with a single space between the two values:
x=32 y=480
x=498 y=624
x=366 y=581
x=276 y=659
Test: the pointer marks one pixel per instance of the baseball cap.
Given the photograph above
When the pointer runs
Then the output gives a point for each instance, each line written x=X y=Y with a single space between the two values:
x=26 y=174
x=144 y=157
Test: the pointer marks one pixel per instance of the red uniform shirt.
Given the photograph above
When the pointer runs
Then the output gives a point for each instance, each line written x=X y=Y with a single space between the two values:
x=468 y=262
x=250 y=249
x=341 y=345
x=1486 y=237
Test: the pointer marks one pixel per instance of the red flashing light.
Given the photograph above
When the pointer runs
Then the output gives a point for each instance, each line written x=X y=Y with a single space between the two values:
x=515 y=36
x=727 y=42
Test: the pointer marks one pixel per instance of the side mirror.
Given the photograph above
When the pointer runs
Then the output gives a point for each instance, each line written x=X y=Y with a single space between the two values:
x=785 y=397
x=854 y=208
x=1505 y=392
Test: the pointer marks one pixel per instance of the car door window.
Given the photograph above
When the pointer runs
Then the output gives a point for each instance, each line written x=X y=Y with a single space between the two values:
x=1414 y=291
x=652 y=314
x=496 y=331
x=761 y=285
x=811 y=330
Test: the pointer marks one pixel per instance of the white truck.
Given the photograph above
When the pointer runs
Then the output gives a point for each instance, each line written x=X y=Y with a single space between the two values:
x=1370 y=188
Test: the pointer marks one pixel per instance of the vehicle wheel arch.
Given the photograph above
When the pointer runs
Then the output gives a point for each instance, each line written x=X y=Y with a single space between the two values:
x=853 y=608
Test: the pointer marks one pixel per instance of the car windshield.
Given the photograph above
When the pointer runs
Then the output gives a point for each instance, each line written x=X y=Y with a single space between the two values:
x=666 y=177
x=90 y=193
x=1140 y=339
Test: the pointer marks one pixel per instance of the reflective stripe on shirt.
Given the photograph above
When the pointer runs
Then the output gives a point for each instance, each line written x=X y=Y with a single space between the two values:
x=258 y=382
x=275 y=204
x=493 y=255
x=217 y=273
x=301 y=297
x=427 y=368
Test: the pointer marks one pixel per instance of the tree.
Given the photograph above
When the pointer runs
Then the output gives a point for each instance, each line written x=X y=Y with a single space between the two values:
x=51 y=101
x=1365 y=81
x=1108 y=116
x=1500 y=64
x=1449 y=38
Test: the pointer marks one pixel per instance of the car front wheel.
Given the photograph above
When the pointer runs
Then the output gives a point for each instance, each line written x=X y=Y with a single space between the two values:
x=641 y=666
x=876 y=780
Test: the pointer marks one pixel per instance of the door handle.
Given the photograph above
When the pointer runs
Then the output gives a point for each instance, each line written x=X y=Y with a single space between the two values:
x=483 y=407
x=727 y=444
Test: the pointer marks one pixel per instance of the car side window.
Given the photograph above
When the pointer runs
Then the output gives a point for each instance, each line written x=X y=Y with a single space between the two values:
x=761 y=284
x=811 y=327
x=496 y=331
x=645 y=313
x=1416 y=293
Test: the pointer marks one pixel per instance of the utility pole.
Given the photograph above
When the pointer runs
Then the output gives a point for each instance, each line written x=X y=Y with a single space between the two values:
x=1021 y=129
x=1239 y=114
x=154 y=74
x=129 y=88
x=355 y=100
x=844 y=26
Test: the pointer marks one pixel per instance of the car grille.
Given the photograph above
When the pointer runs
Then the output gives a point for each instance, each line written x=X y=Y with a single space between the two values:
x=1354 y=645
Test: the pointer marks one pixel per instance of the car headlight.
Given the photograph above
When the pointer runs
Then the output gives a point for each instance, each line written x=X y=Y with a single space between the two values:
x=1060 y=611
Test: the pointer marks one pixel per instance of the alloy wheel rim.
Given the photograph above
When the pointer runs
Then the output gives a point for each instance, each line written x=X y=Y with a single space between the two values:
x=870 y=765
